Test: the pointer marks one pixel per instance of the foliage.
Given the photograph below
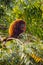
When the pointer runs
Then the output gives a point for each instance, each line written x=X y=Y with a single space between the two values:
x=28 y=50
x=20 y=53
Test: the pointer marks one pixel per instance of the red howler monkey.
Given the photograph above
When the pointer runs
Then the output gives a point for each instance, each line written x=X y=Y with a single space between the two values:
x=17 y=27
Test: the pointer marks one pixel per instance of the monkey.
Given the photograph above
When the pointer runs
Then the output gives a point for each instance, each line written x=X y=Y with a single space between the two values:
x=15 y=29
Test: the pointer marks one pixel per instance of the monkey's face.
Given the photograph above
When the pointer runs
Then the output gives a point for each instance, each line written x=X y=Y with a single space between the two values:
x=23 y=27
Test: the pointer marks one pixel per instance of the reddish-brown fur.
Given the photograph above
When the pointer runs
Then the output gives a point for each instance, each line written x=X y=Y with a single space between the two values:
x=17 y=27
